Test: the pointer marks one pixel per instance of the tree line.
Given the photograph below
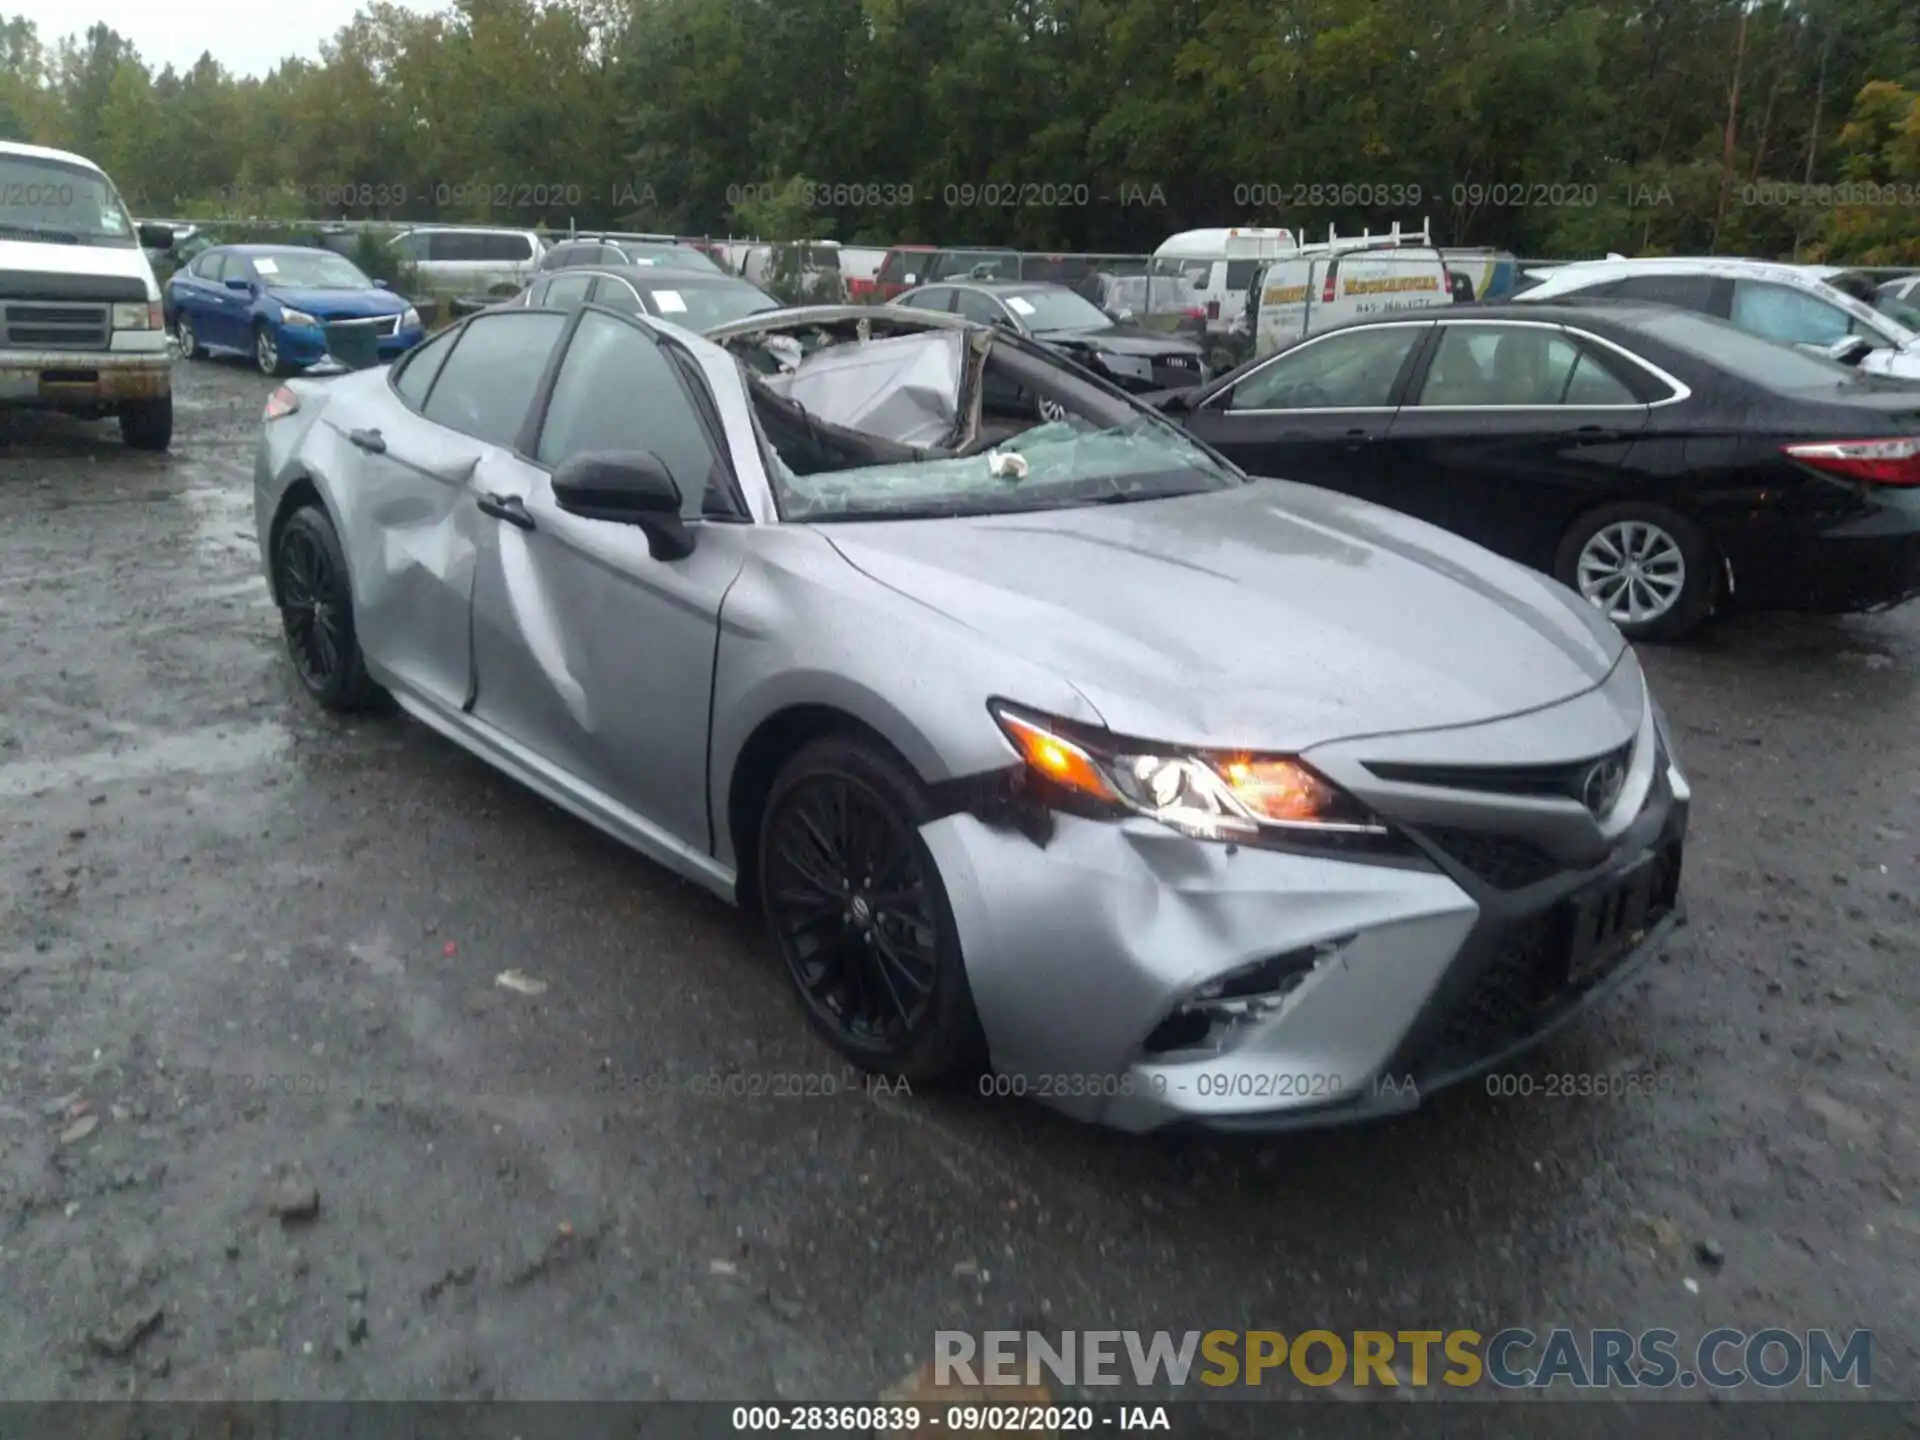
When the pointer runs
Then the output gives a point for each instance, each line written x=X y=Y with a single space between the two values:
x=1551 y=127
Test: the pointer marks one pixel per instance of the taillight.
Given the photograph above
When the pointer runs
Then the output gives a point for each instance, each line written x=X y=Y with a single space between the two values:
x=1880 y=462
x=282 y=403
x=1195 y=313
x=156 y=315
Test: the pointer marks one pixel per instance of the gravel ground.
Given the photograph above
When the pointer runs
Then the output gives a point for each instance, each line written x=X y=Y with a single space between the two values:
x=270 y=1126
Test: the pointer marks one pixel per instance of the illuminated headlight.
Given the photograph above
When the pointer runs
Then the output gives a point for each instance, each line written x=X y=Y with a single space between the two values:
x=1208 y=795
x=296 y=317
x=410 y=320
x=139 y=315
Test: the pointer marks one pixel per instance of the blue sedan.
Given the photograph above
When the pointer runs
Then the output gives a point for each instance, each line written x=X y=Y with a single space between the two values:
x=275 y=302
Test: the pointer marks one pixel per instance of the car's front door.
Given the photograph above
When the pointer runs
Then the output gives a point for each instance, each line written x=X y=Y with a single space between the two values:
x=457 y=403
x=1319 y=411
x=589 y=652
x=229 y=310
x=1510 y=429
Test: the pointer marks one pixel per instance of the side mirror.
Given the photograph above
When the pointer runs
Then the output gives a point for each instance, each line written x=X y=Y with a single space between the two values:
x=627 y=487
x=245 y=287
x=1175 y=402
x=156 y=237
x=1849 y=350
x=381 y=285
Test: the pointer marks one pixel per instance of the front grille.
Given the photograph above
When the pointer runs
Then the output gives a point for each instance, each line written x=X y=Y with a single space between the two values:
x=1526 y=973
x=1565 y=781
x=382 y=325
x=1505 y=862
x=40 y=326
x=1528 y=981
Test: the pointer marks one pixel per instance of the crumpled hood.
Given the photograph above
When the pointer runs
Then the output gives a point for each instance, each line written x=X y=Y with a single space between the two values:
x=1122 y=339
x=1273 y=617
x=339 y=304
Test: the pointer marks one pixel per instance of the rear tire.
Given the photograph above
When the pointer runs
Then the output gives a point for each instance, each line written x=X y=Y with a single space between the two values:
x=316 y=612
x=1649 y=569
x=266 y=351
x=147 y=424
x=190 y=348
x=856 y=908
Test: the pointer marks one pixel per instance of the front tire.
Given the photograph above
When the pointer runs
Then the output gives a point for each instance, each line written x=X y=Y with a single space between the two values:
x=856 y=907
x=316 y=611
x=1647 y=568
x=147 y=424
x=266 y=351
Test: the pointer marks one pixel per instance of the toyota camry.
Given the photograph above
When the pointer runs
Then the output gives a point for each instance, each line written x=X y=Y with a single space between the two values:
x=1061 y=749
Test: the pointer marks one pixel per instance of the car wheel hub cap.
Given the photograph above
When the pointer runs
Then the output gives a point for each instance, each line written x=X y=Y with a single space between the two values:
x=1633 y=570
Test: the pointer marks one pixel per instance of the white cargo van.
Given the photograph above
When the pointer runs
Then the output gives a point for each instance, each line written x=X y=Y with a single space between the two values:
x=1215 y=269
x=1346 y=280
x=81 y=324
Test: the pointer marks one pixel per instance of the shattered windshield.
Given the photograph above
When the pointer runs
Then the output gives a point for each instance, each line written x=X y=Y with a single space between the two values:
x=1052 y=466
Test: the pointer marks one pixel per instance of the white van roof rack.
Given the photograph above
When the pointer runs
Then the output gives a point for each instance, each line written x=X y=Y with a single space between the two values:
x=1337 y=244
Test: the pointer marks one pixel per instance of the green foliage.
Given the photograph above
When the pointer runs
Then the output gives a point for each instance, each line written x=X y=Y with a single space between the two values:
x=1552 y=127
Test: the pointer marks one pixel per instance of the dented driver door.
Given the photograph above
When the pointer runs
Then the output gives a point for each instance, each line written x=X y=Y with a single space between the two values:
x=589 y=652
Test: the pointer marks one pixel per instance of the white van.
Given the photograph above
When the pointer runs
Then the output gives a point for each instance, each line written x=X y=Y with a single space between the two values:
x=82 y=327
x=1215 y=269
x=1314 y=292
x=460 y=260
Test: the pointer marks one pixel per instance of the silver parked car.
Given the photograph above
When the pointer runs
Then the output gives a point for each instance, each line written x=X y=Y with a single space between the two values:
x=1060 y=748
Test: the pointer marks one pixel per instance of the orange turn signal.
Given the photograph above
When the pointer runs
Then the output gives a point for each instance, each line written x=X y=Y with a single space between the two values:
x=1059 y=760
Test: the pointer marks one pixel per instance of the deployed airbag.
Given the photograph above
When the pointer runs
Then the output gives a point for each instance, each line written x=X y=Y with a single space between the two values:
x=905 y=388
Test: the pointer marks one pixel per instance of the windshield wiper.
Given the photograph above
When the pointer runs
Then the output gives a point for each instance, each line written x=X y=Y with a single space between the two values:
x=35 y=232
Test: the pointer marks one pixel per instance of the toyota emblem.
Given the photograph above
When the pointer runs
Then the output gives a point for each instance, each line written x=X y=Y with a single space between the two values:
x=1601 y=787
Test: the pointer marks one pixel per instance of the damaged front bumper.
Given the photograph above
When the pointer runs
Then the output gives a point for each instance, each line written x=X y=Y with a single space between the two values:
x=78 y=380
x=1130 y=976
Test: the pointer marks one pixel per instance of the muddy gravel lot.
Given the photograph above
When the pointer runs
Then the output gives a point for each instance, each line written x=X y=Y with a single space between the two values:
x=271 y=1123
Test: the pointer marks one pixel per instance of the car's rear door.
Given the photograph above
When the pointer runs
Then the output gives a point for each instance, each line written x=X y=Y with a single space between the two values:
x=191 y=291
x=589 y=652
x=1317 y=412
x=1510 y=429
x=443 y=439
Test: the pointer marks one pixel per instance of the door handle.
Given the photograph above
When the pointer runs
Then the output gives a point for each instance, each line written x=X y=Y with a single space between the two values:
x=1597 y=432
x=368 y=440
x=1357 y=438
x=510 y=508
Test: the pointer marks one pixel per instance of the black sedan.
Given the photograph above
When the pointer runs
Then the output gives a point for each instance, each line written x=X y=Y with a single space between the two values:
x=692 y=298
x=1134 y=357
x=1660 y=462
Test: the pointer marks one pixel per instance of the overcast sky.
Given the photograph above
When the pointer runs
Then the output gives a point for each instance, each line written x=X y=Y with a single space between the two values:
x=247 y=39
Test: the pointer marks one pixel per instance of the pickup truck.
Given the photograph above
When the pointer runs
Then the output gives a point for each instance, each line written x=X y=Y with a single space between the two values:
x=82 y=329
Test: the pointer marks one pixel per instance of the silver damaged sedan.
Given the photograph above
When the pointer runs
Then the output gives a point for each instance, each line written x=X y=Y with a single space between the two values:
x=1052 y=748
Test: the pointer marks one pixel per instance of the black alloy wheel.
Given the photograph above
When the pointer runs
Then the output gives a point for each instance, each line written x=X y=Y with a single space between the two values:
x=857 y=908
x=316 y=609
